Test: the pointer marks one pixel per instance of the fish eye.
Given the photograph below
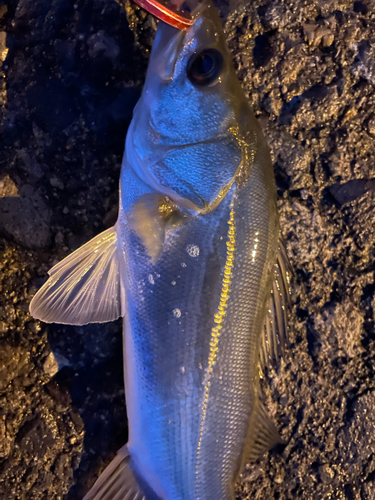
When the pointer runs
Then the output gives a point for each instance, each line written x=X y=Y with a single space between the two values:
x=205 y=68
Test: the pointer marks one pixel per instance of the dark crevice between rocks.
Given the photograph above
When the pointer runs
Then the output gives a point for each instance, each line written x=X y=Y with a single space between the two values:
x=283 y=180
x=367 y=307
x=313 y=342
x=263 y=50
x=349 y=493
x=94 y=380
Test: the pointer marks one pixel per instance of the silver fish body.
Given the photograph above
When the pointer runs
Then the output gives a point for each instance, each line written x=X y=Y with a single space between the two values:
x=191 y=343
x=191 y=264
x=195 y=317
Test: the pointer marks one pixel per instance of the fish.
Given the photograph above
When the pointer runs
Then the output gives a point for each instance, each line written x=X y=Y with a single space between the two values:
x=196 y=267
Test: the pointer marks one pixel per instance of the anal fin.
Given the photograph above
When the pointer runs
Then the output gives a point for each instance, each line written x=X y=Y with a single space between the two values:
x=262 y=435
x=117 y=482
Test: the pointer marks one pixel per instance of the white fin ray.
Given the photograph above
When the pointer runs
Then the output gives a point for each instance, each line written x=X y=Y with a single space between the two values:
x=117 y=482
x=86 y=287
x=275 y=335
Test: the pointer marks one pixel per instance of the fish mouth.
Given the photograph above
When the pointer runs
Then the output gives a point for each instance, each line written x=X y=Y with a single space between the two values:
x=167 y=43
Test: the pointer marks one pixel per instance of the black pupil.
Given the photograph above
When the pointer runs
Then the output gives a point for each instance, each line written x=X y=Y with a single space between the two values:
x=205 y=68
x=204 y=64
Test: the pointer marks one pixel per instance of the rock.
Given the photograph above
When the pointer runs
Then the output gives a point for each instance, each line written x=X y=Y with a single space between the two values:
x=50 y=104
x=5 y=441
x=36 y=436
x=13 y=363
x=359 y=436
x=101 y=44
x=3 y=47
x=55 y=182
x=326 y=474
x=315 y=34
x=50 y=365
x=351 y=190
x=8 y=187
x=24 y=215
x=71 y=77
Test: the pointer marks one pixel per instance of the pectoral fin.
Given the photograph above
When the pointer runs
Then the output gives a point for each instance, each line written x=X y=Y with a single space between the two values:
x=150 y=217
x=86 y=287
x=275 y=335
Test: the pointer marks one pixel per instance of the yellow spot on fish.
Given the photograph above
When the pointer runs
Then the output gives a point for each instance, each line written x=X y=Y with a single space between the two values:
x=255 y=247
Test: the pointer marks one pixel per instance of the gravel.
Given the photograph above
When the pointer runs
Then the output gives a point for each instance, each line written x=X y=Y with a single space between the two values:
x=71 y=75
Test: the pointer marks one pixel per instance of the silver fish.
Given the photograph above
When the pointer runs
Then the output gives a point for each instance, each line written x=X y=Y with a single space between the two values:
x=195 y=266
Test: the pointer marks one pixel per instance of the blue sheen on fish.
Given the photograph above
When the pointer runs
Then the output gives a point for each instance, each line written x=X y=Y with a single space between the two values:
x=195 y=266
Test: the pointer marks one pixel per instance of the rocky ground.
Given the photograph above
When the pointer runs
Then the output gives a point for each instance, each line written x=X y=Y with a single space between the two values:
x=71 y=74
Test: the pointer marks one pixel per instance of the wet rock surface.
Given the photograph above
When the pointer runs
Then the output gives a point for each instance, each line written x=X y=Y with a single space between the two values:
x=71 y=75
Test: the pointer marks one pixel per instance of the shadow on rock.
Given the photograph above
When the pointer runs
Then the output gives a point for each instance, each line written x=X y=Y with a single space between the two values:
x=90 y=364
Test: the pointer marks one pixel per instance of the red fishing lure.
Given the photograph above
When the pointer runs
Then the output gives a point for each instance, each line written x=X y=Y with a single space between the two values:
x=167 y=14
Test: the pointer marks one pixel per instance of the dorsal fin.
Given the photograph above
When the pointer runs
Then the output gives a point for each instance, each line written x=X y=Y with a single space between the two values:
x=85 y=287
x=275 y=334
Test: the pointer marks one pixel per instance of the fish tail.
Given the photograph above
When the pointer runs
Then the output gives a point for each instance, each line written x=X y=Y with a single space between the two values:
x=117 y=482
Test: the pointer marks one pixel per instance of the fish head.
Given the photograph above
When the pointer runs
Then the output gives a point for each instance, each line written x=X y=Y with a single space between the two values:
x=188 y=135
